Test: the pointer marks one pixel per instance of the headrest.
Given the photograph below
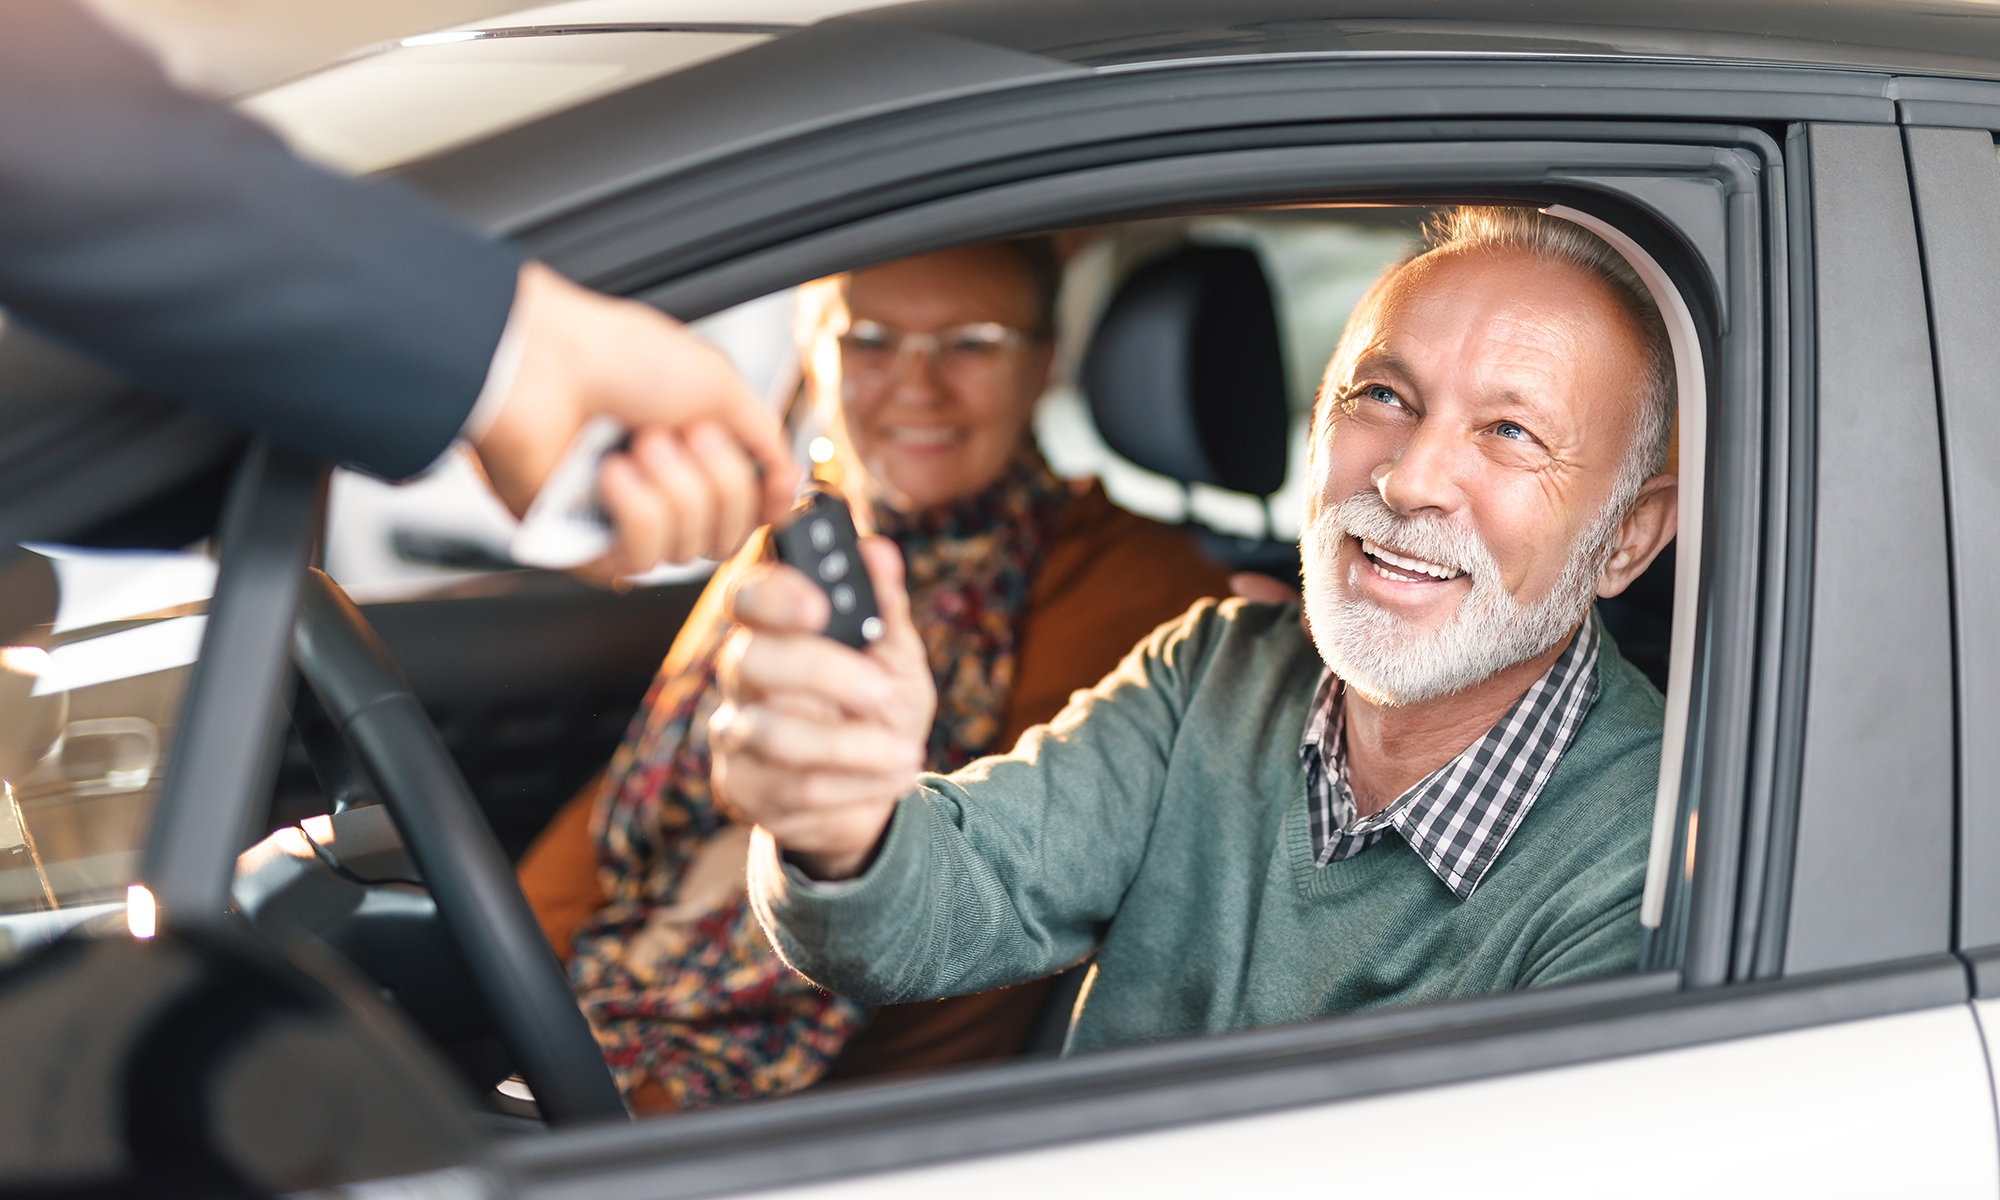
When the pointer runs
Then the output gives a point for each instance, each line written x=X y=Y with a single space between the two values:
x=1185 y=374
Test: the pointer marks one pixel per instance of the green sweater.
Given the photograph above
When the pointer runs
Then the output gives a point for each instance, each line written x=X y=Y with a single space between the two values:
x=1160 y=821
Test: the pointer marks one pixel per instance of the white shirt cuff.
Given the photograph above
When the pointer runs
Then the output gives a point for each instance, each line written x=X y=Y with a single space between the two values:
x=500 y=374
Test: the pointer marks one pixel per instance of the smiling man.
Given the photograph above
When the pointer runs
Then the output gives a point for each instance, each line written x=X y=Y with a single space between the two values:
x=1443 y=789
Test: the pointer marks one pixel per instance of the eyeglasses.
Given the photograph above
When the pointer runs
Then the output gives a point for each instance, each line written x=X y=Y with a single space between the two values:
x=870 y=350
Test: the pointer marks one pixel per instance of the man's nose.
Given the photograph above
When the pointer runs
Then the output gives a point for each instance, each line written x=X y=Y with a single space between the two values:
x=1420 y=478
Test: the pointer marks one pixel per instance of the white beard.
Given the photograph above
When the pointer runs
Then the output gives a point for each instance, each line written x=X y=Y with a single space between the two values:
x=1376 y=652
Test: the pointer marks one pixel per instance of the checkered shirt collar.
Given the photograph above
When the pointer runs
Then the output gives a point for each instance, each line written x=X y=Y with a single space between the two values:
x=1459 y=817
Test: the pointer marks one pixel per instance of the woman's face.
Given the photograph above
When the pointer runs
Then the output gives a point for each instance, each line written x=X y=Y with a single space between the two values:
x=940 y=371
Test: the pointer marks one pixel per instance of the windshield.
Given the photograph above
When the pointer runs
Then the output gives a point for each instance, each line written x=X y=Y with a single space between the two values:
x=95 y=651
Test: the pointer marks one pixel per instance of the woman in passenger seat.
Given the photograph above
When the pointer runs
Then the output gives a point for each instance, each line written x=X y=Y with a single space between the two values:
x=1025 y=586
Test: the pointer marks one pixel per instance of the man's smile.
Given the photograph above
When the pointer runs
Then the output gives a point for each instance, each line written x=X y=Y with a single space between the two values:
x=1402 y=568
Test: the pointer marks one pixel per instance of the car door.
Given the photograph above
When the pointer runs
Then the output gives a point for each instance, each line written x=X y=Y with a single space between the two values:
x=1801 y=971
x=1809 y=1033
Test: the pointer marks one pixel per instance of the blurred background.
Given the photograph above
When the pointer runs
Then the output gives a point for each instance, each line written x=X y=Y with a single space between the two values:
x=230 y=46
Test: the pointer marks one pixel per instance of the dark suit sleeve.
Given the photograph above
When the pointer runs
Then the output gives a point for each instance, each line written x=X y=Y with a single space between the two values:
x=183 y=245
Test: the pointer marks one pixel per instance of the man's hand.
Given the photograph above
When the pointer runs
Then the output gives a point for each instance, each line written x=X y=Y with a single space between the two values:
x=815 y=741
x=688 y=487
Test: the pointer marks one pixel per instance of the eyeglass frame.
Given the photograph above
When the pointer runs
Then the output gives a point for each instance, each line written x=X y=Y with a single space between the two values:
x=933 y=345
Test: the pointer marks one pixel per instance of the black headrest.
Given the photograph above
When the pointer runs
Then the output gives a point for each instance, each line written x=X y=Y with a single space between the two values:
x=1185 y=373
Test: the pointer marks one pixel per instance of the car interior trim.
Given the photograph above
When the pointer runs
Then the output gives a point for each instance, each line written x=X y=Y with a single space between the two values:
x=1691 y=377
x=821 y=1136
x=218 y=775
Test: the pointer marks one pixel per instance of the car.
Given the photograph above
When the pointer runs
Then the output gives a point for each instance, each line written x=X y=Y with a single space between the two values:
x=1809 y=187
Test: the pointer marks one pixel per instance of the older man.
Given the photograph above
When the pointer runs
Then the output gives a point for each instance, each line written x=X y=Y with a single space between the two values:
x=1444 y=790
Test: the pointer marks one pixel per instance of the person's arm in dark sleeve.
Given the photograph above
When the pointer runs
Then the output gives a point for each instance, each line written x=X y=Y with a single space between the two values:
x=184 y=246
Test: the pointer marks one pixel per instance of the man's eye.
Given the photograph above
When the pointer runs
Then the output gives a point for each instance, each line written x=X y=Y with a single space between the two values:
x=1381 y=394
x=1507 y=429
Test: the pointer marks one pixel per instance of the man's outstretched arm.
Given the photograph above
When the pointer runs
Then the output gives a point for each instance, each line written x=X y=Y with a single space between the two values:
x=183 y=245
x=902 y=886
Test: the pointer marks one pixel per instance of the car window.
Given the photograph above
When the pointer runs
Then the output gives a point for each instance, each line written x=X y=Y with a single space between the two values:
x=98 y=647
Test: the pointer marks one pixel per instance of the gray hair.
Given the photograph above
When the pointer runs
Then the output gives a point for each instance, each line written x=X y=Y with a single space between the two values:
x=1469 y=229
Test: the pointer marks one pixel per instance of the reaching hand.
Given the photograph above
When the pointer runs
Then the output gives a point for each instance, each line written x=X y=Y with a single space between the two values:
x=687 y=488
x=815 y=741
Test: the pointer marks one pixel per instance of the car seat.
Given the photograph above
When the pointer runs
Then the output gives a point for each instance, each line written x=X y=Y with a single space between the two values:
x=1185 y=375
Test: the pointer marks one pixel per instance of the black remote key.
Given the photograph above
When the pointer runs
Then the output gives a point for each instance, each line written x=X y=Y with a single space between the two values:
x=819 y=539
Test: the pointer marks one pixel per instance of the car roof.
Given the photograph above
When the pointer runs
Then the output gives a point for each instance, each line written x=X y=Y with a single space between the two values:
x=575 y=13
x=1948 y=36
x=1952 y=36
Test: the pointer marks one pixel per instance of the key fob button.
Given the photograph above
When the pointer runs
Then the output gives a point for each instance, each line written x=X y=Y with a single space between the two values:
x=821 y=533
x=843 y=599
x=871 y=628
x=833 y=566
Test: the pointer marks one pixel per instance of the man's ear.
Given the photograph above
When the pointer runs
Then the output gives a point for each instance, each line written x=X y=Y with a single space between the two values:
x=1647 y=528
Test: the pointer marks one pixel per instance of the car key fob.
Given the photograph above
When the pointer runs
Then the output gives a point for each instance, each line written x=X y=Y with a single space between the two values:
x=819 y=539
x=565 y=526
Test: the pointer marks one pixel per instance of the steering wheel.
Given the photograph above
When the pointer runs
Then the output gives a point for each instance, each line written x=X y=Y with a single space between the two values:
x=468 y=874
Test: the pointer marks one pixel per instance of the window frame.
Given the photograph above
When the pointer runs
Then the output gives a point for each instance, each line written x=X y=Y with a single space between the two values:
x=1021 y=1105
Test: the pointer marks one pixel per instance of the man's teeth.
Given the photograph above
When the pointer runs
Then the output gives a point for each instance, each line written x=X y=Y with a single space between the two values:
x=1415 y=565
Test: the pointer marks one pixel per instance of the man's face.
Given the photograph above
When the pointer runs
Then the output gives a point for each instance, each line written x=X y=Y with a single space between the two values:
x=935 y=426
x=1464 y=471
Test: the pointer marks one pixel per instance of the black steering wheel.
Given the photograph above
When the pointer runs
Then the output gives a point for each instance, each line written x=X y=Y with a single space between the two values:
x=468 y=874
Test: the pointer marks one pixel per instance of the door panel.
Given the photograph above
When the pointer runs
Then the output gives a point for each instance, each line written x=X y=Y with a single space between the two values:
x=1894 y=1106
x=1871 y=874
